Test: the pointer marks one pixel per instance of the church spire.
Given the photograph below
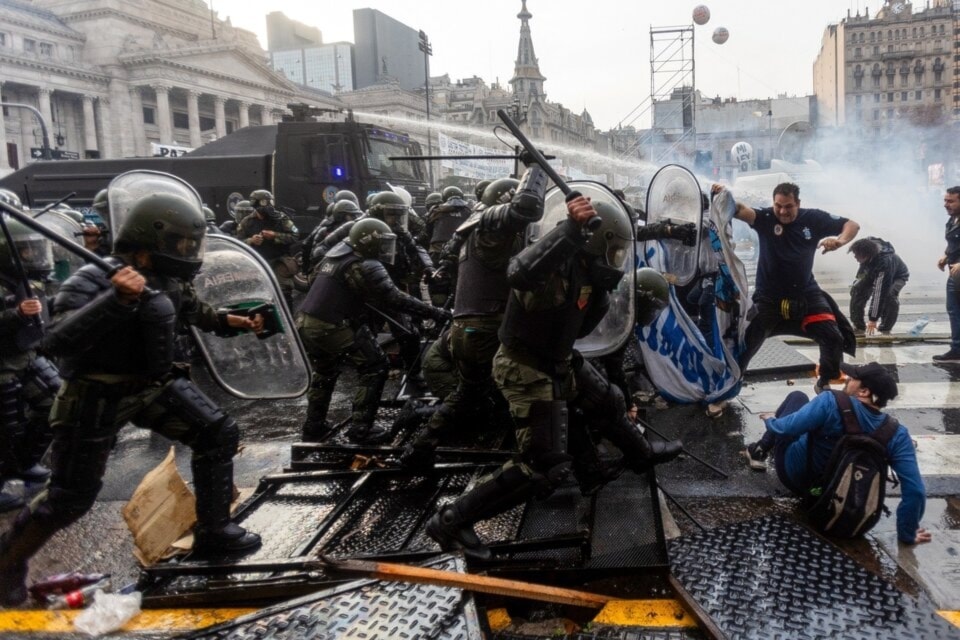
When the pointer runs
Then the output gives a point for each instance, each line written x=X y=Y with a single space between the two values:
x=527 y=82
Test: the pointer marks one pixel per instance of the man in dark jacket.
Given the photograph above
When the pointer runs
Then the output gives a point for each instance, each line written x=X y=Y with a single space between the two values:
x=880 y=278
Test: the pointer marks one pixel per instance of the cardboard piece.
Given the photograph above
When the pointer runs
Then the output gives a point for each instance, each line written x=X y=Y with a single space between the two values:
x=160 y=511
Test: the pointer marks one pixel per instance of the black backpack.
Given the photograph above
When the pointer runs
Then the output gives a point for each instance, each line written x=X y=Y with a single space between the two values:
x=847 y=499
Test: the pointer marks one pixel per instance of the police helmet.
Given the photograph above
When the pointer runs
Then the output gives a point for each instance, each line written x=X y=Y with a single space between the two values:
x=242 y=209
x=433 y=200
x=208 y=214
x=10 y=198
x=346 y=194
x=480 y=188
x=452 y=192
x=372 y=238
x=344 y=211
x=390 y=208
x=261 y=198
x=100 y=203
x=35 y=251
x=609 y=244
x=653 y=294
x=171 y=228
x=499 y=191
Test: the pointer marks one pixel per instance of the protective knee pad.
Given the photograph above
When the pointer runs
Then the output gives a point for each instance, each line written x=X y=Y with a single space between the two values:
x=184 y=399
x=547 y=424
x=596 y=395
x=218 y=441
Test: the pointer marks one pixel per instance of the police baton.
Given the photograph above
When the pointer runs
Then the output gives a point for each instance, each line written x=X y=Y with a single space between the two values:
x=593 y=222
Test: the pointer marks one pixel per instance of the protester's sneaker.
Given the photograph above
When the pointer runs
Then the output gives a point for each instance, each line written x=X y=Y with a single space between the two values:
x=860 y=333
x=820 y=385
x=756 y=457
x=950 y=356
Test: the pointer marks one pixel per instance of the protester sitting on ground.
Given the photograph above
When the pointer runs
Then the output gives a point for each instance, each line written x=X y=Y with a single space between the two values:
x=799 y=420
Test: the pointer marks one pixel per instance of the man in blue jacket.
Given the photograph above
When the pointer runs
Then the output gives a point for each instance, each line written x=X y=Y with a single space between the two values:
x=798 y=421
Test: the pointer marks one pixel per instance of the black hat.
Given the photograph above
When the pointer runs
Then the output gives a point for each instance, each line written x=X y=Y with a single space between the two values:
x=874 y=377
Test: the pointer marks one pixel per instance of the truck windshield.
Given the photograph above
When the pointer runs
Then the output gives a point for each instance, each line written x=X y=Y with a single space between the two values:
x=379 y=153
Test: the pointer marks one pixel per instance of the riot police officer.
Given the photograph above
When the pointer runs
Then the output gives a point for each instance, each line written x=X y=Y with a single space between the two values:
x=444 y=220
x=345 y=210
x=211 y=218
x=561 y=286
x=114 y=336
x=484 y=247
x=28 y=381
x=335 y=329
x=271 y=233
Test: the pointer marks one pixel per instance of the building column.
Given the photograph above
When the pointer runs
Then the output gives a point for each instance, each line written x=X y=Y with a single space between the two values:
x=3 y=136
x=43 y=100
x=164 y=117
x=136 y=117
x=193 y=115
x=103 y=114
x=244 y=110
x=89 y=125
x=220 y=115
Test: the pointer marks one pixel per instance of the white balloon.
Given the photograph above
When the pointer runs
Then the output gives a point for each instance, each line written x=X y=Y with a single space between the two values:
x=742 y=154
x=720 y=35
x=701 y=14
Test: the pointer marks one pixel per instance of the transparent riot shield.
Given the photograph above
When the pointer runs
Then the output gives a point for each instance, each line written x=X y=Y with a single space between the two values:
x=616 y=326
x=674 y=197
x=127 y=188
x=65 y=262
x=246 y=366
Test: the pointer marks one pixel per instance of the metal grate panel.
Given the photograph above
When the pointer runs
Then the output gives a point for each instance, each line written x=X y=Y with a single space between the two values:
x=773 y=578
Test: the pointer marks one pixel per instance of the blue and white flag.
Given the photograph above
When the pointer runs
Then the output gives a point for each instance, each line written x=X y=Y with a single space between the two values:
x=679 y=361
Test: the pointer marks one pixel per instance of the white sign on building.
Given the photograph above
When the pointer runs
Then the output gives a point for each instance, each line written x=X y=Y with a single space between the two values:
x=168 y=150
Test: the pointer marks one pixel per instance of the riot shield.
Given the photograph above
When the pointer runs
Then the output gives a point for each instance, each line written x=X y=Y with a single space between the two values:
x=247 y=366
x=65 y=262
x=616 y=326
x=127 y=188
x=674 y=196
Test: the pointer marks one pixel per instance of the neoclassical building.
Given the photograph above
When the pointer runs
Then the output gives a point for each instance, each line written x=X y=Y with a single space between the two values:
x=114 y=78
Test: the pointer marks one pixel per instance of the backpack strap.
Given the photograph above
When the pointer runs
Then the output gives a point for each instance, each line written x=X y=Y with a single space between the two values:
x=851 y=425
x=887 y=430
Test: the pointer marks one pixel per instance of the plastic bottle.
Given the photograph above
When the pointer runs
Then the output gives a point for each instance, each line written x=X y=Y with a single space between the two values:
x=63 y=583
x=79 y=598
x=919 y=326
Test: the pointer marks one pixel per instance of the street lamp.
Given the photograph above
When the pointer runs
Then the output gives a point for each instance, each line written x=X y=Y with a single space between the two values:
x=427 y=49
x=46 y=153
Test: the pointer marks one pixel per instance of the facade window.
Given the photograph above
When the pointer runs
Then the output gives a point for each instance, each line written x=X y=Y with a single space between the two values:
x=889 y=34
x=937 y=45
x=890 y=114
x=230 y=127
x=941 y=29
x=914 y=32
x=890 y=97
x=858 y=53
x=903 y=96
x=181 y=120
x=876 y=97
x=858 y=81
x=923 y=31
x=858 y=100
x=3 y=39
x=46 y=49
x=207 y=124
x=889 y=48
x=918 y=95
x=937 y=95
x=876 y=114
x=29 y=46
x=149 y=115
x=876 y=50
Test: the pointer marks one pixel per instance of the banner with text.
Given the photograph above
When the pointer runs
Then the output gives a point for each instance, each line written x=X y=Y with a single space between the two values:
x=475 y=169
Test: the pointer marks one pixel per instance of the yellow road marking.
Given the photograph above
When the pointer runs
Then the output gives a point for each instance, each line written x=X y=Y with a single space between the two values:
x=147 y=620
x=645 y=613
x=952 y=616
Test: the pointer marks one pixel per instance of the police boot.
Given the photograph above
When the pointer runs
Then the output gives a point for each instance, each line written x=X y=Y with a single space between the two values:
x=364 y=429
x=315 y=427
x=29 y=532
x=9 y=501
x=639 y=453
x=452 y=526
x=594 y=465
x=214 y=533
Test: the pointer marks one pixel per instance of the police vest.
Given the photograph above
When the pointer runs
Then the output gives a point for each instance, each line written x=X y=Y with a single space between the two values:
x=482 y=290
x=330 y=298
x=446 y=223
x=547 y=331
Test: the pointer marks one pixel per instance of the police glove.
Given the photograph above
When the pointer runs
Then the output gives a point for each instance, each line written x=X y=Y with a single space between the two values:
x=441 y=315
x=526 y=158
x=685 y=233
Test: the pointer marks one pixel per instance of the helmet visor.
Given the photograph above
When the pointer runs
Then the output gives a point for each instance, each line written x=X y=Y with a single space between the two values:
x=35 y=252
x=183 y=248
x=395 y=217
x=388 y=248
x=616 y=252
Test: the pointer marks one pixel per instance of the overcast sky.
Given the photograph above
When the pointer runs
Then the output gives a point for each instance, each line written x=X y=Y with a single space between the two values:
x=595 y=53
